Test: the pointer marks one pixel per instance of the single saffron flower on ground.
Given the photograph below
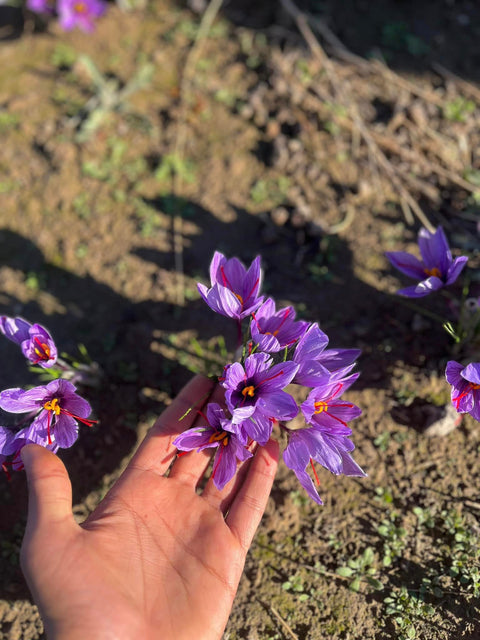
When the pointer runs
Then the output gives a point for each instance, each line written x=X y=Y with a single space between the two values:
x=465 y=382
x=255 y=396
x=435 y=270
x=36 y=343
x=274 y=330
x=219 y=433
x=323 y=407
x=329 y=448
x=59 y=410
x=80 y=13
x=316 y=363
x=234 y=289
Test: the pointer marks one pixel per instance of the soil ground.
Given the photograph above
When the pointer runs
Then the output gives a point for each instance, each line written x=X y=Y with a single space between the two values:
x=317 y=161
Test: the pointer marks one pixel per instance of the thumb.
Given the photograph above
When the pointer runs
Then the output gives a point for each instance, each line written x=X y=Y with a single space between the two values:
x=49 y=487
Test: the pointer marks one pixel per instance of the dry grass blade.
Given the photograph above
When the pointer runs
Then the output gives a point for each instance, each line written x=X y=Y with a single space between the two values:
x=342 y=90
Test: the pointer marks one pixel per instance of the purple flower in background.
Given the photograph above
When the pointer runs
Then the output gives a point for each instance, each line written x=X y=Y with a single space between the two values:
x=218 y=433
x=36 y=343
x=328 y=447
x=41 y=6
x=234 y=290
x=465 y=382
x=80 y=13
x=255 y=395
x=59 y=411
x=323 y=408
x=437 y=268
x=274 y=330
x=317 y=363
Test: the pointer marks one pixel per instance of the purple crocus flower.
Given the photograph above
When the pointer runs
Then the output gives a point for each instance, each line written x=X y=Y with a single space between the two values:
x=274 y=330
x=255 y=395
x=234 y=290
x=36 y=343
x=59 y=410
x=41 y=6
x=329 y=447
x=12 y=443
x=316 y=363
x=80 y=13
x=219 y=433
x=323 y=407
x=437 y=268
x=465 y=382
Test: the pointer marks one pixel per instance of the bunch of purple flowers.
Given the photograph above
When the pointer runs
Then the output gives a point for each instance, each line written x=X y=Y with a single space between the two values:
x=435 y=270
x=71 y=13
x=51 y=411
x=278 y=351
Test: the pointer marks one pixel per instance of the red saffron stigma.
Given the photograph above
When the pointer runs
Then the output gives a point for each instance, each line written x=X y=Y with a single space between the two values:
x=314 y=472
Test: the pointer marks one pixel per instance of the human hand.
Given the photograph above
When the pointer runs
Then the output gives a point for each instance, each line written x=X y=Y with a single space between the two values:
x=155 y=559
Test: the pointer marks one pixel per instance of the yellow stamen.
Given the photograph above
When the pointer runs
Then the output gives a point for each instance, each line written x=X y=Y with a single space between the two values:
x=239 y=297
x=80 y=7
x=219 y=436
x=433 y=272
x=248 y=391
x=474 y=386
x=46 y=350
x=52 y=405
x=320 y=406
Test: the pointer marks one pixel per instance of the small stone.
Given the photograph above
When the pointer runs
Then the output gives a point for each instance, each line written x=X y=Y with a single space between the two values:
x=280 y=216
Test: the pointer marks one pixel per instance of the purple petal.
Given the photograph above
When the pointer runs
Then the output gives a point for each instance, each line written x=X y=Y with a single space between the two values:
x=20 y=401
x=311 y=344
x=278 y=405
x=406 y=263
x=422 y=288
x=307 y=484
x=453 y=371
x=224 y=467
x=434 y=249
x=471 y=372
x=455 y=269
x=277 y=377
x=258 y=428
x=334 y=359
x=257 y=364
x=196 y=438
x=218 y=260
x=15 y=329
x=65 y=431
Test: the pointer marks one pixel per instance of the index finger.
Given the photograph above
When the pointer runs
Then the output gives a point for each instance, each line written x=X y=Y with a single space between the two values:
x=157 y=451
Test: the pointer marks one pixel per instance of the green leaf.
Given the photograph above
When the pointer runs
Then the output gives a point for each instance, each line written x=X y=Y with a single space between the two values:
x=355 y=585
x=376 y=584
x=346 y=572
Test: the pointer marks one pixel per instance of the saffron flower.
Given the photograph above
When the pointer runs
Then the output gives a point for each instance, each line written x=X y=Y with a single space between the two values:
x=36 y=343
x=234 y=290
x=59 y=409
x=219 y=433
x=316 y=363
x=329 y=447
x=274 y=330
x=465 y=382
x=435 y=270
x=324 y=409
x=12 y=443
x=255 y=396
x=80 y=13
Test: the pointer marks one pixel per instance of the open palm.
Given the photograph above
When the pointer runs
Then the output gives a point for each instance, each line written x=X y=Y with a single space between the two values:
x=156 y=559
